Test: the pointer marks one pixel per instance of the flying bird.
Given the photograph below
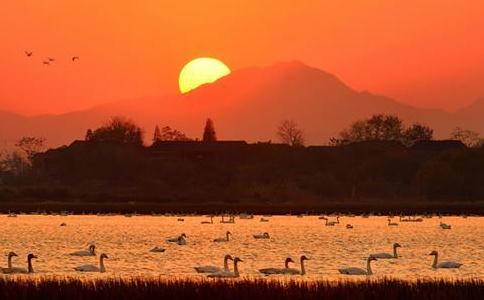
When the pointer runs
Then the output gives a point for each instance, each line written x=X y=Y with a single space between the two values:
x=51 y=59
x=46 y=62
x=74 y=58
x=29 y=54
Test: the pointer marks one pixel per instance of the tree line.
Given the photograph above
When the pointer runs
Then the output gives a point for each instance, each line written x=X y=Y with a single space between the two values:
x=121 y=130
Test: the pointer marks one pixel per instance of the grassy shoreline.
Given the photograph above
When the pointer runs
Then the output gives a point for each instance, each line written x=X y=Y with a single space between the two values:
x=138 y=288
x=363 y=207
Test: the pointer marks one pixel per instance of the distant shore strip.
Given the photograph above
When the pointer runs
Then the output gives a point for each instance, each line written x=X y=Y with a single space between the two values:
x=378 y=206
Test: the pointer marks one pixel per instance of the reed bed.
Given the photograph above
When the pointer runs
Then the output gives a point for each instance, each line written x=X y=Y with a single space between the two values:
x=138 y=288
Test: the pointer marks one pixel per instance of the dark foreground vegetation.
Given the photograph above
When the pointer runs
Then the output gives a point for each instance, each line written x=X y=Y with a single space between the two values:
x=375 y=176
x=375 y=166
x=132 y=289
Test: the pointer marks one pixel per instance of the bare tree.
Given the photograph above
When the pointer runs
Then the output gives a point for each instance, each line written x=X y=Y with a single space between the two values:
x=289 y=133
x=31 y=145
x=468 y=137
x=14 y=162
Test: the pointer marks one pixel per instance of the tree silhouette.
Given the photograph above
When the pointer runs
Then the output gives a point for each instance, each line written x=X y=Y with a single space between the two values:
x=209 y=134
x=157 y=134
x=14 y=162
x=382 y=127
x=119 y=130
x=30 y=145
x=88 y=135
x=169 y=134
x=417 y=132
x=289 y=133
x=468 y=137
x=377 y=128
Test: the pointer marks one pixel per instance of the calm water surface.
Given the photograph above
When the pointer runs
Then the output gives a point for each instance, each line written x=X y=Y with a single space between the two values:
x=127 y=242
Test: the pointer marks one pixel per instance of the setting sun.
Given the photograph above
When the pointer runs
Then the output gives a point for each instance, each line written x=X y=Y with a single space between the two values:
x=201 y=71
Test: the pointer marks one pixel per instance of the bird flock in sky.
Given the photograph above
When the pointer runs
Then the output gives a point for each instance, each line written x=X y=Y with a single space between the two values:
x=49 y=60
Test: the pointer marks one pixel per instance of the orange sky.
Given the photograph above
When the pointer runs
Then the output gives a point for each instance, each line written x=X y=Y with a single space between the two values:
x=428 y=53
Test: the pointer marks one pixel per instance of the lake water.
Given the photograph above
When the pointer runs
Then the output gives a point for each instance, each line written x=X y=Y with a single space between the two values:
x=127 y=242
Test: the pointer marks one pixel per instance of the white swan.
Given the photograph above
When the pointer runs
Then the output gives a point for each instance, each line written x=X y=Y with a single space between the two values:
x=390 y=223
x=157 y=249
x=16 y=270
x=228 y=274
x=444 y=264
x=349 y=226
x=223 y=240
x=176 y=239
x=263 y=220
x=271 y=271
x=90 y=252
x=359 y=271
x=388 y=255
x=9 y=268
x=215 y=269
x=207 y=222
x=335 y=222
x=246 y=216
x=230 y=221
x=261 y=236
x=292 y=271
x=331 y=223
x=445 y=226
x=93 y=268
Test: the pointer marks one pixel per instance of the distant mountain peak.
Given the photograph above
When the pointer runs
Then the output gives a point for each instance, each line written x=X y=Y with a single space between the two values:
x=248 y=104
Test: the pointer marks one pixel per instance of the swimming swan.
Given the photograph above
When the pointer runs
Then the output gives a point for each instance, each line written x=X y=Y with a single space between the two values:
x=90 y=252
x=260 y=236
x=388 y=255
x=271 y=271
x=444 y=264
x=445 y=226
x=176 y=239
x=207 y=222
x=157 y=249
x=223 y=240
x=181 y=241
x=228 y=274
x=332 y=223
x=93 y=268
x=292 y=271
x=215 y=269
x=9 y=268
x=16 y=270
x=359 y=271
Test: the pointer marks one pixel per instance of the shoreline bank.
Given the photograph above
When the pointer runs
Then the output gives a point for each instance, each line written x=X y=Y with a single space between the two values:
x=260 y=209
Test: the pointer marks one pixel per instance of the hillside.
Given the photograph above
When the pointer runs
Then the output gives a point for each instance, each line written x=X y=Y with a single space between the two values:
x=248 y=104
